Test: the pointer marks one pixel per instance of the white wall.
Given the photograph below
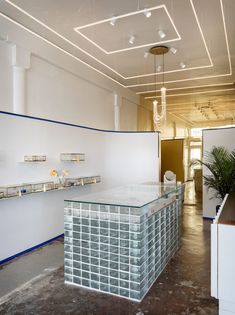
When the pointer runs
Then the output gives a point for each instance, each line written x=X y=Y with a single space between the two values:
x=60 y=87
x=120 y=158
x=214 y=137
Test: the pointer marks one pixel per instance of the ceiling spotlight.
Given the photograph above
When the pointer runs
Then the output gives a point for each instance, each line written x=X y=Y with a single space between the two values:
x=158 y=68
x=147 y=13
x=146 y=54
x=182 y=65
x=113 y=21
x=173 y=50
x=161 y=34
x=132 y=39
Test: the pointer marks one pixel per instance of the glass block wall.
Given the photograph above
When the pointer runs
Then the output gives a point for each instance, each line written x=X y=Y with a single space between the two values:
x=119 y=250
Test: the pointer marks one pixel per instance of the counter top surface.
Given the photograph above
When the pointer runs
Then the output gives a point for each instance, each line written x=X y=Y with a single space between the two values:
x=135 y=196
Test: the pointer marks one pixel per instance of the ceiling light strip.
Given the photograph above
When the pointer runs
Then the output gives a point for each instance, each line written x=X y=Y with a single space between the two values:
x=188 y=87
x=172 y=81
x=193 y=93
x=77 y=29
x=117 y=17
x=59 y=48
x=61 y=36
x=226 y=36
x=200 y=29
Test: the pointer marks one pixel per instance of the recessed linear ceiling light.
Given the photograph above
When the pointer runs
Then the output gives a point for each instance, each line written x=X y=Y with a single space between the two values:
x=161 y=34
x=147 y=13
x=182 y=65
x=113 y=21
x=132 y=39
x=146 y=54
x=173 y=50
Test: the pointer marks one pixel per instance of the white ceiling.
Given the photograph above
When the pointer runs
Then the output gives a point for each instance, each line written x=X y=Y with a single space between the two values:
x=202 y=31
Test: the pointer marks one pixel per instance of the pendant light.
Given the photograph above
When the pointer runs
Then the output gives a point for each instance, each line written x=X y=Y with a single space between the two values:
x=159 y=114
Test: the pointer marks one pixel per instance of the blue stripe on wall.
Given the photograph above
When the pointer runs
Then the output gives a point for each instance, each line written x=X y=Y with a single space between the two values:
x=30 y=249
x=70 y=124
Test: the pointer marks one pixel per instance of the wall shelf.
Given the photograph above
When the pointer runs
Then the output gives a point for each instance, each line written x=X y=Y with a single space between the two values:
x=35 y=158
x=18 y=190
x=72 y=157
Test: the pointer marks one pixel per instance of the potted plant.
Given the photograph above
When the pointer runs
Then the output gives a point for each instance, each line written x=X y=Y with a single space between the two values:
x=221 y=164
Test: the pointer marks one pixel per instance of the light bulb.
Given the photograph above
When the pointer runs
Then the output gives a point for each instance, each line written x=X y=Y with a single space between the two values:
x=113 y=21
x=182 y=65
x=147 y=13
x=132 y=39
x=161 y=34
x=173 y=50
x=146 y=54
x=158 y=68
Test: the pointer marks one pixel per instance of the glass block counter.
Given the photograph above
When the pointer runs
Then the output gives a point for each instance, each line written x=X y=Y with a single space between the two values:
x=119 y=241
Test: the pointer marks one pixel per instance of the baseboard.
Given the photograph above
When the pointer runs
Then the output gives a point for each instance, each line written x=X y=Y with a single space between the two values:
x=30 y=249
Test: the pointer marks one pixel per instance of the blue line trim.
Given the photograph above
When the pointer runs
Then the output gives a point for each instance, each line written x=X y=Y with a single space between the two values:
x=30 y=249
x=70 y=124
x=208 y=218
x=211 y=129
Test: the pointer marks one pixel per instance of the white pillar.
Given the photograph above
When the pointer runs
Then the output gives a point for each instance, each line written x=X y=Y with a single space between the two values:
x=117 y=108
x=19 y=101
x=20 y=64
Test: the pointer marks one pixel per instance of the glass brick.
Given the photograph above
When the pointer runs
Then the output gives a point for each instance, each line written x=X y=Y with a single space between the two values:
x=86 y=267
x=124 y=235
x=95 y=277
x=124 y=251
x=68 y=270
x=124 y=292
x=68 y=263
x=104 y=279
x=104 y=224
x=94 y=246
x=104 y=271
x=114 y=257
x=113 y=265
x=86 y=229
x=104 y=255
x=114 y=226
x=104 y=239
x=114 y=241
x=77 y=272
x=113 y=273
x=114 y=290
x=84 y=206
x=85 y=283
x=104 y=263
x=77 y=264
x=124 y=259
x=77 y=228
x=124 y=243
x=104 y=287
x=104 y=232
x=68 y=255
x=95 y=223
x=135 y=227
x=114 y=282
x=124 y=267
x=95 y=285
x=94 y=238
x=68 y=278
x=76 y=257
x=114 y=233
x=124 y=227
x=114 y=249
x=85 y=275
x=124 y=275
x=134 y=295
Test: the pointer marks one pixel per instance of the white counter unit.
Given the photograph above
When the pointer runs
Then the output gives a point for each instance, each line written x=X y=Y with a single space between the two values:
x=223 y=256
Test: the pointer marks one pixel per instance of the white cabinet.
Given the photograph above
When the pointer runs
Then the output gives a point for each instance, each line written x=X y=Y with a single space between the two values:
x=223 y=256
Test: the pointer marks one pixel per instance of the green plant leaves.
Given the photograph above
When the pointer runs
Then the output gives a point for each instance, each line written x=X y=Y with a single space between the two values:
x=221 y=164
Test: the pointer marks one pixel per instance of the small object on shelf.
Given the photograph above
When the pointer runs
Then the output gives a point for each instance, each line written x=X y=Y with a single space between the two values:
x=72 y=157
x=43 y=186
x=35 y=158
x=72 y=182
x=16 y=190
x=1 y=194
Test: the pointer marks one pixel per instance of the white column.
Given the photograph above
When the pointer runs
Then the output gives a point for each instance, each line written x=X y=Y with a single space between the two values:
x=20 y=63
x=19 y=101
x=117 y=107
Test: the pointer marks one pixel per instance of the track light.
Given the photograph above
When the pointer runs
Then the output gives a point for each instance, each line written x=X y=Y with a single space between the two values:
x=147 y=13
x=173 y=50
x=158 y=68
x=113 y=21
x=161 y=34
x=182 y=65
x=146 y=54
x=132 y=39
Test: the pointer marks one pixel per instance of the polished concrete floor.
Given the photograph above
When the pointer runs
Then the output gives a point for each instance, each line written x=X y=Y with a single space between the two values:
x=182 y=288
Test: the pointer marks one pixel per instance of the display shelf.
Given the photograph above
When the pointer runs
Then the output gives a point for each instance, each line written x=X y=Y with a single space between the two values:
x=19 y=190
x=119 y=241
x=35 y=158
x=72 y=157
